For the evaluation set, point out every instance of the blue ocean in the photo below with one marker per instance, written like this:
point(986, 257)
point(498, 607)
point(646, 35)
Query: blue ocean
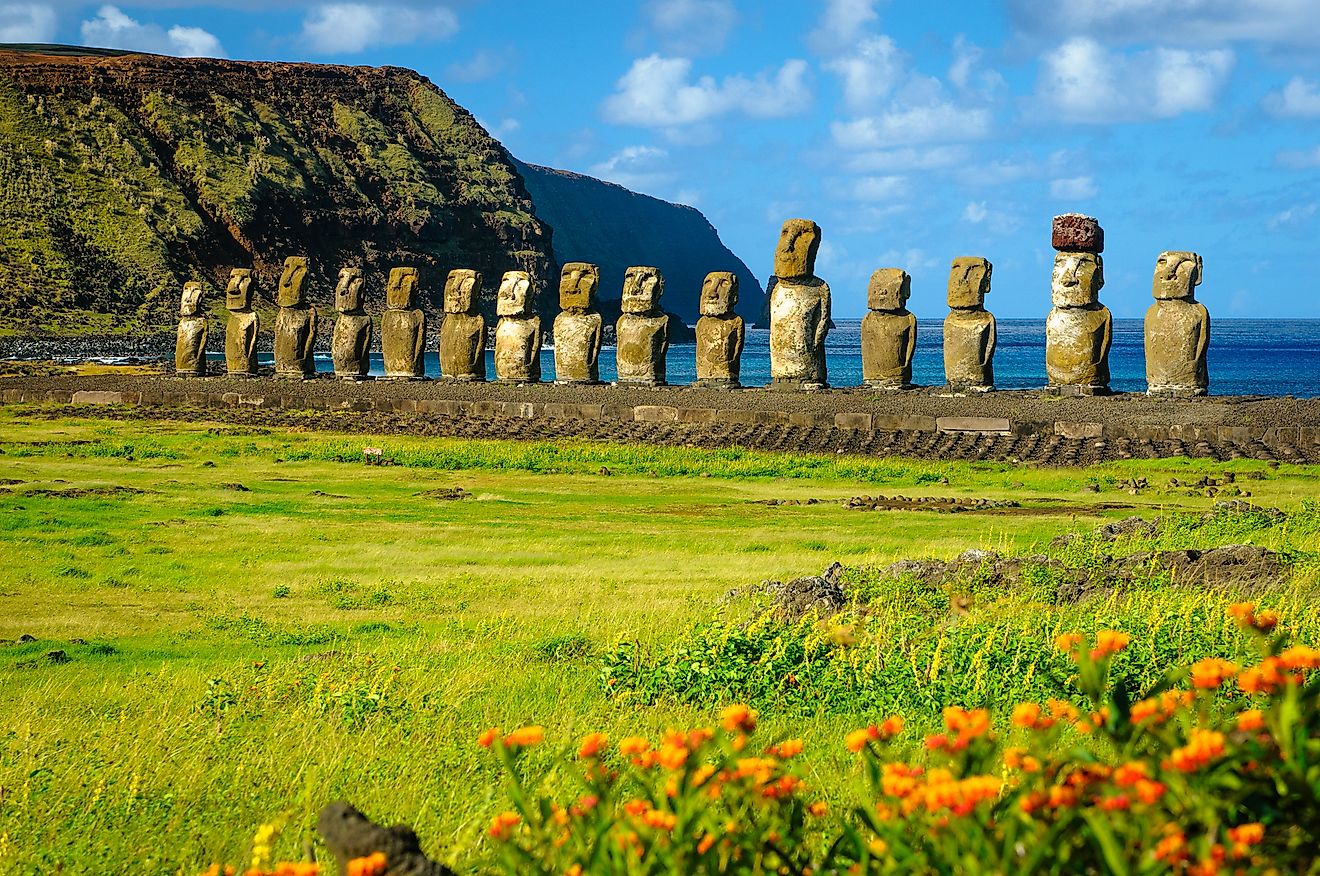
point(1247, 357)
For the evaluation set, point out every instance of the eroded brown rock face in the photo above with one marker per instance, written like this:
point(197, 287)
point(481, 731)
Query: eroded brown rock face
point(463, 333)
point(295, 324)
point(403, 327)
point(1177, 329)
point(969, 329)
point(799, 310)
point(1073, 232)
point(190, 347)
point(1079, 330)
point(518, 333)
point(889, 331)
point(350, 344)
point(720, 332)
point(578, 328)
point(242, 326)
point(642, 332)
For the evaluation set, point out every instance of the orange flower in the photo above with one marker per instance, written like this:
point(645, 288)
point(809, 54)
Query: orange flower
point(1251, 720)
point(1108, 643)
point(1129, 774)
point(1210, 673)
point(790, 748)
point(659, 820)
point(890, 727)
point(1149, 792)
point(1117, 803)
point(937, 742)
point(1266, 677)
point(1243, 611)
point(738, 718)
point(1300, 657)
point(818, 809)
point(592, 745)
point(1248, 616)
point(1173, 848)
point(503, 824)
point(1202, 747)
point(672, 757)
point(488, 737)
point(1247, 834)
point(525, 736)
point(584, 804)
point(374, 864)
point(1067, 642)
point(857, 739)
point(636, 808)
point(704, 846)
point(631, 745)
point(1030, 716)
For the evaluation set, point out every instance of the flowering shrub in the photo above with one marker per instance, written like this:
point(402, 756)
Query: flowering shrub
point(1216, 768)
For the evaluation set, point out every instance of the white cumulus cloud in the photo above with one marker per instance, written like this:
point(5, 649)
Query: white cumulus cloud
point(27, 23)
point(1173, 22)
point(1085, 82)
point(940, 122)
point(659, 92)
point(1073, 188)
point(869, 73)
point(975, 212)
point(635, 167)
point(692, 26)
point(1298, 159)
point(1299, 99)
point(349, 28)
point(841, 24)
point(112, 29)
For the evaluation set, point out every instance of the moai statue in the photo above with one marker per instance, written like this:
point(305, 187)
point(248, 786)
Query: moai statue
point(889, 331)
point(351, 343)
point(403, 328)
point(518, 333)
point(1177, 329)
point(578, 329)
point(642, 332)
point(463, 333)
point(295, 325)
point(720, 332)
point(969, 329)
point(1079, 330)
point(242, 325)
point(799, 310)
point(190, 346)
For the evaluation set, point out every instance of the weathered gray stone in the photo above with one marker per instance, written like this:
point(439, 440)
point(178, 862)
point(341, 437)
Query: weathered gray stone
point(1177, 329)
point(1073, 429)
point(403, 327)
point(190, 343)
point(578, 328)
point(96, 397)
point(350, 345)
point(1079, 330)
point(295, 324)
point(853, 422)
point(463, 333)
point(242, 326)
point(969, 329)
point(720, 332)
point(799, 310)
point(889, 331)
point(642, 332)
point(655, 414)
point(983, 425)
point(518, 333)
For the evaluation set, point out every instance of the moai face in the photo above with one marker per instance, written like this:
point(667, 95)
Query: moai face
point(642, 288)
point(1078, 278)
point(1177, 274)
point(514, 298)
point(796, 255)
point(719, 293)
point(401, 293)
point(578, 284)
point(461, 290)
point(190, 303)
point(969, 282)
point(889, 289)
point(291, 282)
point(348, 292)
point(238, 294)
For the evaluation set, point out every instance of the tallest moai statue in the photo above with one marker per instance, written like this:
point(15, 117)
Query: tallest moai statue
point(295, 324)
point(799, 310)
point(242, 326)
point(1079, 330)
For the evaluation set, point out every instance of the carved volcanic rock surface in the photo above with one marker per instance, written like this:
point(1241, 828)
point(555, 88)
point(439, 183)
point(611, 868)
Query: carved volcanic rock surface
point(123, 175)
point(608, 225)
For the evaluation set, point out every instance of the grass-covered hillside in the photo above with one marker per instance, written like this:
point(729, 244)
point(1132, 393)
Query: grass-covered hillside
point(122, 176)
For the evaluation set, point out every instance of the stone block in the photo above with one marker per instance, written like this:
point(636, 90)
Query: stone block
point(994, 425)
point(561, 411)
point(1150, 432)
point(808, 421)
point(735, 417)
point(10, 396)
point(855, 422)
point(361, 405)
point(1033, 427)
point(1074, 232)
point(1282, 435)
point(97, 397)
point(59, 396)
point(903, 423)
point(1076, 429)
point(440, 407)
point(399, 405)
point(655, 414)
point(696, 415)
point(1194, 432)
point(616, 411)
point(772, 418)
point(1307, 435)
point(1236, 434)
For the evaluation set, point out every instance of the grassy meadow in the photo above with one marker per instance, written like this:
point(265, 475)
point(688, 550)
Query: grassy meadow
point(234, 626)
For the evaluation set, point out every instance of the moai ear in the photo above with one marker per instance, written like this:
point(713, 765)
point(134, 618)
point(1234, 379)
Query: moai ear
point(1200, 267)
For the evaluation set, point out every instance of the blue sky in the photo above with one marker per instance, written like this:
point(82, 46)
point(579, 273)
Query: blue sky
point(913, 132)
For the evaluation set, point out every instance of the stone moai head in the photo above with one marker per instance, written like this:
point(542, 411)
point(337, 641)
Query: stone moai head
point(462, 289)
point(642, 288)
point(969, 282)
point(515, 298)
point(290, 293)
point(889, 289)
point(799, 240)
point(1177, 274)
point(1078, 279)
point(578, 284)
point(348, 291)
point(190, 302)
point(401, 292)
point(719, 293)
point(238, 294)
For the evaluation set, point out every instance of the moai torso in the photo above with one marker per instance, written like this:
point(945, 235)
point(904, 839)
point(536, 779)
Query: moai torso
point(463, 333)
point(1079, 330)
point(295, 325)
point(889, 331)
point(799, 310)
point(642, 332)
point(720, 332)
point(190, 345)
point(350, 345)
point(242, 326)
point(403, 327)
point(578, 328)
point(1177, 329)
point(969, 329)
point(518, 333)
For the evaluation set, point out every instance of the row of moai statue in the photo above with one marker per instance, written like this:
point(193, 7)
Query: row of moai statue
point(1078, 331)
point(642, 331)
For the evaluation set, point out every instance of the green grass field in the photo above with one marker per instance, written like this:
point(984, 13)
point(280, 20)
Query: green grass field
point(238, 656)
